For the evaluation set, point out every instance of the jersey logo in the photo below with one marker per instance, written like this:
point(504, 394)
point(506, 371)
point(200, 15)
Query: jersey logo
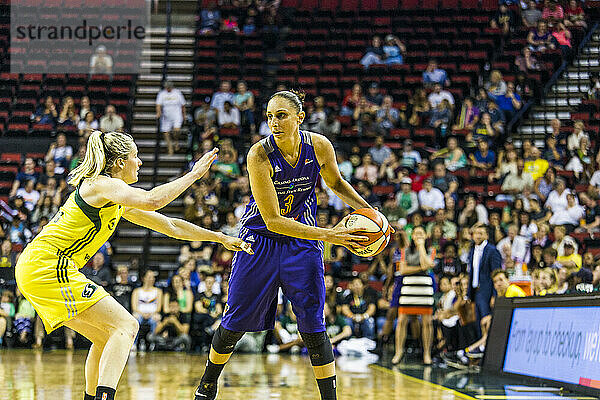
point(277, 169)
point(308, 161)
point(111, 224)
point(88, 290)
point(87, 257)
point(250, 238)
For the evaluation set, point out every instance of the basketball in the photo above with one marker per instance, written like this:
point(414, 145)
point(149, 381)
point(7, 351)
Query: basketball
point(373, 225)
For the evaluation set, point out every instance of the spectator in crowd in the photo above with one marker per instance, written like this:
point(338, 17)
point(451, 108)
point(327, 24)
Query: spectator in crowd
point(411, 261)
point(468, 116)
point(172, 332)
point(507, 164)
point(449, 229)
point(26, 174)
point(535, 165)
point(374, 54)
point(123, 287)
point(379, 151)
point(61, 153)
point(539, 39)
point(510, 102)
point(393, 49)
point(367, 171)
point(446, 317)
point(351, 100)
point(484, 158)
point(484, 258)
point(513, 247)
point(68, 114)
point(101, 62)
point(244, 102)
point(111, 121)
point(503, 19)
point(419, 107)
point(210, 19)
point(554, 153)
point(591, 221)
point(85, 107)
point(562, 38)
point(24, 319)
point(560, 238)
point(222, 95)
point(387, 116)
point(553, 13)
point(574, 139)
point(434, 75)
point(527, 62)
point(45, 113)
point(496, 85)
point(441, 116)
point(531, 15)
point(208, 308)
point(97, 273)
point(453, 156)
point(7, 312)
point(410, 157)
point(359, 310)
point(315, 114)
point(205, 123)
point(179, 293)
point(472, 213)
point(570, 259)
point(444, 181)
point(430, 198)
point(329, 127)
point(374, 96)
point(503, 286)
point(170, 109)
point(557, 199)
point(516, 183)
point(407, 198)
point(87, 124)
point(568, 216)
point(229, 116)
point(574, 15)
point(436, 97)
point(29, 195)
point(146, 302)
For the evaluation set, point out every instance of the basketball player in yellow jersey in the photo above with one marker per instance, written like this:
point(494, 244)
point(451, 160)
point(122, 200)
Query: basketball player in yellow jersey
point(47, 271)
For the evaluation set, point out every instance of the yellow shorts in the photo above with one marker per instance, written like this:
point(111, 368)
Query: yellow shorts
point(54, 285)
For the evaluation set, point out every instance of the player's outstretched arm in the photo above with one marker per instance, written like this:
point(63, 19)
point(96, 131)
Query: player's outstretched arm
point(331, 173)
point(263, 190)
point(117, 191)
point(180, 229)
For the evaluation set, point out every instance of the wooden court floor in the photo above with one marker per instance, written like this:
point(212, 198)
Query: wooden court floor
point(58, 375)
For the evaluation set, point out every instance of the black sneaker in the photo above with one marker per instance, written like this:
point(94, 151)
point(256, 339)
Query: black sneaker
point(206, 391)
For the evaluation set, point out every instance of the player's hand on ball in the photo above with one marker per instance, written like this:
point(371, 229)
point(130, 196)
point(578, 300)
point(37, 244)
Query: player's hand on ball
point(204, 163)
point(343, 236)
point(236, 244)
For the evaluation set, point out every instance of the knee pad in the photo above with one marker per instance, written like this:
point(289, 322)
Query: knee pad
point(319, 348)
point(224, 340)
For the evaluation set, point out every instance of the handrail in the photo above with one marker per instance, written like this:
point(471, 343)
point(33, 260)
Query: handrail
point(552, 80)
point(148, 239)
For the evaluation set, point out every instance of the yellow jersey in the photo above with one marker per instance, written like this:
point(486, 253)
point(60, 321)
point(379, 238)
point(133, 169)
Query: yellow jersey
point(78, 230)
point(514, 291)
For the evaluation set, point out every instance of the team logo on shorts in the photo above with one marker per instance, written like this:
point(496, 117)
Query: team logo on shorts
point(111, 224)
point(88, 290)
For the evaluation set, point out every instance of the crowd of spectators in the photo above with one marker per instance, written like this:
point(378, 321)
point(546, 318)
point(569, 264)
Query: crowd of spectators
point(535, 218)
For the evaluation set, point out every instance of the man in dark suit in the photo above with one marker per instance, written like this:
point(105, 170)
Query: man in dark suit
point(484, 258)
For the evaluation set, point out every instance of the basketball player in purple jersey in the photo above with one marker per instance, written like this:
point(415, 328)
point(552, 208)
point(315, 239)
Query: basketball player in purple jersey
point(280, 223)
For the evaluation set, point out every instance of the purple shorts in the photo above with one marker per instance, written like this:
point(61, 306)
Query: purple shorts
point(295, 265)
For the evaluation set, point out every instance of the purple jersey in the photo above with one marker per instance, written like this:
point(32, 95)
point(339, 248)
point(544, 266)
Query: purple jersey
point(294, 184)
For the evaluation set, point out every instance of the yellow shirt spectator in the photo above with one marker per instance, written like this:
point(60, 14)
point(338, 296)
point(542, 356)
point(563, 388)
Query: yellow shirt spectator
point(536, 168)
point(514, 291)
point(575, 258)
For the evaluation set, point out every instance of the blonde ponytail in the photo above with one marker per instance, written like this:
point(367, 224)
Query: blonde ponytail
point(103, 150)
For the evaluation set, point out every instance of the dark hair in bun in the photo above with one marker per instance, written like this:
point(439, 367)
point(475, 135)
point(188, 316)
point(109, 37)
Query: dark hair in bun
point(296, 97)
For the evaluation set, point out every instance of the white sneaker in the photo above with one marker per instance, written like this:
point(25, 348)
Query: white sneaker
point(273, 348)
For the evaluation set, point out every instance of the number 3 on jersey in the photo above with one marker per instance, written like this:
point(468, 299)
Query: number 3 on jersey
point(287, 204)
